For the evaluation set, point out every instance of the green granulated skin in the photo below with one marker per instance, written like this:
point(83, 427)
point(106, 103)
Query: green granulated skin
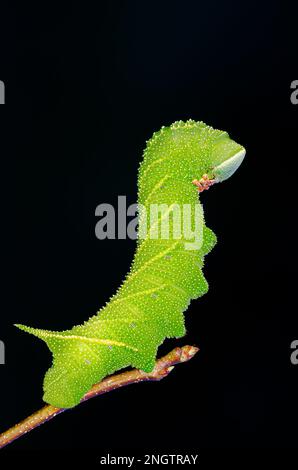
point(166, 274)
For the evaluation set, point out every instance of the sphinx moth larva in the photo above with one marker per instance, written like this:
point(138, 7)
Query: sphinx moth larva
point(166, 273)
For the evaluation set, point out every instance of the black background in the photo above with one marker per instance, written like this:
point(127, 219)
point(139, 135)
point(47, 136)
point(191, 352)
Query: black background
point(86, 85)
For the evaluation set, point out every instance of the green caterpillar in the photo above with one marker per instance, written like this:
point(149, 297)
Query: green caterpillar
point(166, 273)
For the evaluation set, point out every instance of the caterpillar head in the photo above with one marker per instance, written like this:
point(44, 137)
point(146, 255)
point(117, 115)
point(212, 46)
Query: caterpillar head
point(210, 153)
point(226, 157)
point(221, 157)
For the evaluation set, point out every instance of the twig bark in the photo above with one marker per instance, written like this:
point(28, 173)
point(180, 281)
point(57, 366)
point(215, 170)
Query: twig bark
point(162, 368)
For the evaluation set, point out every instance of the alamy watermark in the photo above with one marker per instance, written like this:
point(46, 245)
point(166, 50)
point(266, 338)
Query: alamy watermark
point(294, 355)
point(294, 94)
point(2, 92)
point(158, 222)
point(2, 353)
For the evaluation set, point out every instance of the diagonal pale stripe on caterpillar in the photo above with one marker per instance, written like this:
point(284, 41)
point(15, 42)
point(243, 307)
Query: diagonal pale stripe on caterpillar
point(56, 335)
point(156, 187)
point(153, 164)
point(164, 277)
point(137, 294)
point(157, 257)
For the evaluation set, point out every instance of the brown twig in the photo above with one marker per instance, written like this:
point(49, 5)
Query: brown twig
point(162, 368)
